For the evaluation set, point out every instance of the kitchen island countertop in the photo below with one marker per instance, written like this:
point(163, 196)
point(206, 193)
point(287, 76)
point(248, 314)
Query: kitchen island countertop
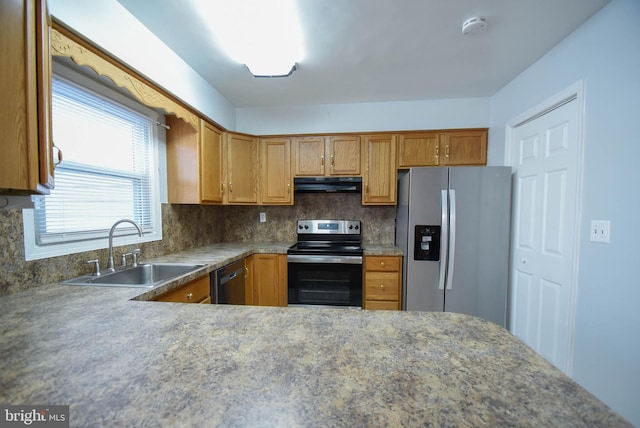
point(122, 362)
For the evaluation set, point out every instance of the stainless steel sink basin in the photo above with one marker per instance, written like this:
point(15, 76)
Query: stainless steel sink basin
point(143, 275)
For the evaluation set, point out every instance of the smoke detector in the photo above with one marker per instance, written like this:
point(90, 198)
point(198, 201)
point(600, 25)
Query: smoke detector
point(474, 25)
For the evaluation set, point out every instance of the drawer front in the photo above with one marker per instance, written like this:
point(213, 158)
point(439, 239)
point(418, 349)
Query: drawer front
point(382, 286)
point(382, 264)
point(384, 305)
point(193, 292)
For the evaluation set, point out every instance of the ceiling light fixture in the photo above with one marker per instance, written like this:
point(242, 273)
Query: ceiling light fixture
point(474, 25)
point(265, 35)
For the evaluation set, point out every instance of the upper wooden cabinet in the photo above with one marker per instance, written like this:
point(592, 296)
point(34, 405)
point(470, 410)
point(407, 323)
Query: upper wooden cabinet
point(379, 166)
point(419, 149)
point(241, 169)
point(276, 182)
point(324, 156)
point(345, 155)
point(463, 147)
point(211, 170)
point(26, 164)
point(468, 147)
point(194, 162)
point(205, 165)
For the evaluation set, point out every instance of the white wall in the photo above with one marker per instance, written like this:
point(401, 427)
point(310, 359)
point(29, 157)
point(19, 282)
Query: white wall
point(365, 117)
point(605, 52)
point(109, 25)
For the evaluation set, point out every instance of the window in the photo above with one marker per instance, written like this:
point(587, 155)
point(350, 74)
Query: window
point(108, 173)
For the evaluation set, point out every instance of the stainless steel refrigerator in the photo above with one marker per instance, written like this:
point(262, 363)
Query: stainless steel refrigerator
point(453, 225)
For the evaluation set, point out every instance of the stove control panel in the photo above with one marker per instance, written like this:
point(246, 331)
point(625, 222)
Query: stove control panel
point(332, 227)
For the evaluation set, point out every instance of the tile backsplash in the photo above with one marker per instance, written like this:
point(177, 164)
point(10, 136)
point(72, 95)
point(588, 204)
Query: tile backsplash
point(241, 223)
point(192, 226)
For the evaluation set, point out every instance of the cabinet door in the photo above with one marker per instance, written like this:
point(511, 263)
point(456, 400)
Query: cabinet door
point(419, 149)
point(45, 142)
point(308, 156)
point(249, 288)
point(270, 279)
point(344, 155)
point(379, 167)
point(196, 291)
point(25, 84)
point(211, 178)
point(182, 162)
point(465, 147)
point(275, 171)
point(242, 163)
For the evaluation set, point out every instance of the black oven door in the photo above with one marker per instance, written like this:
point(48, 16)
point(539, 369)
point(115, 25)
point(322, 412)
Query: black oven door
point(325, 280)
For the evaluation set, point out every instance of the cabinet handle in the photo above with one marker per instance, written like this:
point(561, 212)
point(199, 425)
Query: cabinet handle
point(288, 188)
point(382, 286)
point(246, 272)
point(230, 187)
point(437, 151)
point(189, 296)
point(332, 162)
point(447, 151)
point(366, 188)
point(322, 161)
point(222, 185)
point(53, 146)
point(382, 264)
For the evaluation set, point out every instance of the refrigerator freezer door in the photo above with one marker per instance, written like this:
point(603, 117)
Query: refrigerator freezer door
point(421, 291)
point(480, 275)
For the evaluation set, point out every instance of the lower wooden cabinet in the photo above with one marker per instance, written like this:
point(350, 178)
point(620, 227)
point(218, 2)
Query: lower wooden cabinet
point(248, 280)
point(382, 282)
point(196, 291)
point(267, 279)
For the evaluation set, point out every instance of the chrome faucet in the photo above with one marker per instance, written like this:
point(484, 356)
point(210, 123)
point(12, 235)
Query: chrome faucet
point(111, 265)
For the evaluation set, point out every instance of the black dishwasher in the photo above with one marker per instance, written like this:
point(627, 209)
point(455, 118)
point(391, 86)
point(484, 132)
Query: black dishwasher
point(227, 284)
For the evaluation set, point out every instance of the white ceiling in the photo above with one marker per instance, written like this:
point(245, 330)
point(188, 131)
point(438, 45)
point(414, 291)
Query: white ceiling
point(379, 50)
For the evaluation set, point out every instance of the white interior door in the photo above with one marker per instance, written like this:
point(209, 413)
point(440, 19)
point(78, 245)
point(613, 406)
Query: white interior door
point(545, 160)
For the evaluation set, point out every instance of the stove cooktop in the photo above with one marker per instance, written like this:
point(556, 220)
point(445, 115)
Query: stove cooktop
point(328, 237)
point(326, 249)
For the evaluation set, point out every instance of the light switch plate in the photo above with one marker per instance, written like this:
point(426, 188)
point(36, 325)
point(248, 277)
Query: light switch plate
point(263, 217)
point(600, 231)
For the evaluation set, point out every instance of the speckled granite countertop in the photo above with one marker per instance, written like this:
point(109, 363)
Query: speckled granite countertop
point(382, 250)
point(119, 362)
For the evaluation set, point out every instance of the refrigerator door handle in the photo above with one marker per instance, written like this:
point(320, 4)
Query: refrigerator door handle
point(452, 237)
point(444, 238)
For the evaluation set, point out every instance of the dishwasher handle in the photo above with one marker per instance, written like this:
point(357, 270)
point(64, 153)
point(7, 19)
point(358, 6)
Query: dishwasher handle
point(229, 277)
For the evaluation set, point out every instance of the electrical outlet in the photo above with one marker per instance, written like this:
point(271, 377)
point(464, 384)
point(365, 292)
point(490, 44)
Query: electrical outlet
point(600, 231)
point(263, 217)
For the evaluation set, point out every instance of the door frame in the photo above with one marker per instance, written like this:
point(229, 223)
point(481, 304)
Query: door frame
point(576, 93)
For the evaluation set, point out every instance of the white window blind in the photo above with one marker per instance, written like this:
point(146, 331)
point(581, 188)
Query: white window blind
point(107, 171)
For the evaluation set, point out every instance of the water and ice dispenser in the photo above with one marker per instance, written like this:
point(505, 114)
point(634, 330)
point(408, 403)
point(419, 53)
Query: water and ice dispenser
point(427, 243)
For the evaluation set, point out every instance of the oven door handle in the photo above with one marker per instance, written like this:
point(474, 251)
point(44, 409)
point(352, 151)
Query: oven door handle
point(301, 258)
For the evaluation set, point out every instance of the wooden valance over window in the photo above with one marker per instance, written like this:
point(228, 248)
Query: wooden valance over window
point(84, 54)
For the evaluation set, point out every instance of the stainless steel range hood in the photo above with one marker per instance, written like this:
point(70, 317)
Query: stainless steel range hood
point(327, 184)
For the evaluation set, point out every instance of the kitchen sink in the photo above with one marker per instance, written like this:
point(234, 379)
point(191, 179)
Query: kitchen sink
point(143, 275)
